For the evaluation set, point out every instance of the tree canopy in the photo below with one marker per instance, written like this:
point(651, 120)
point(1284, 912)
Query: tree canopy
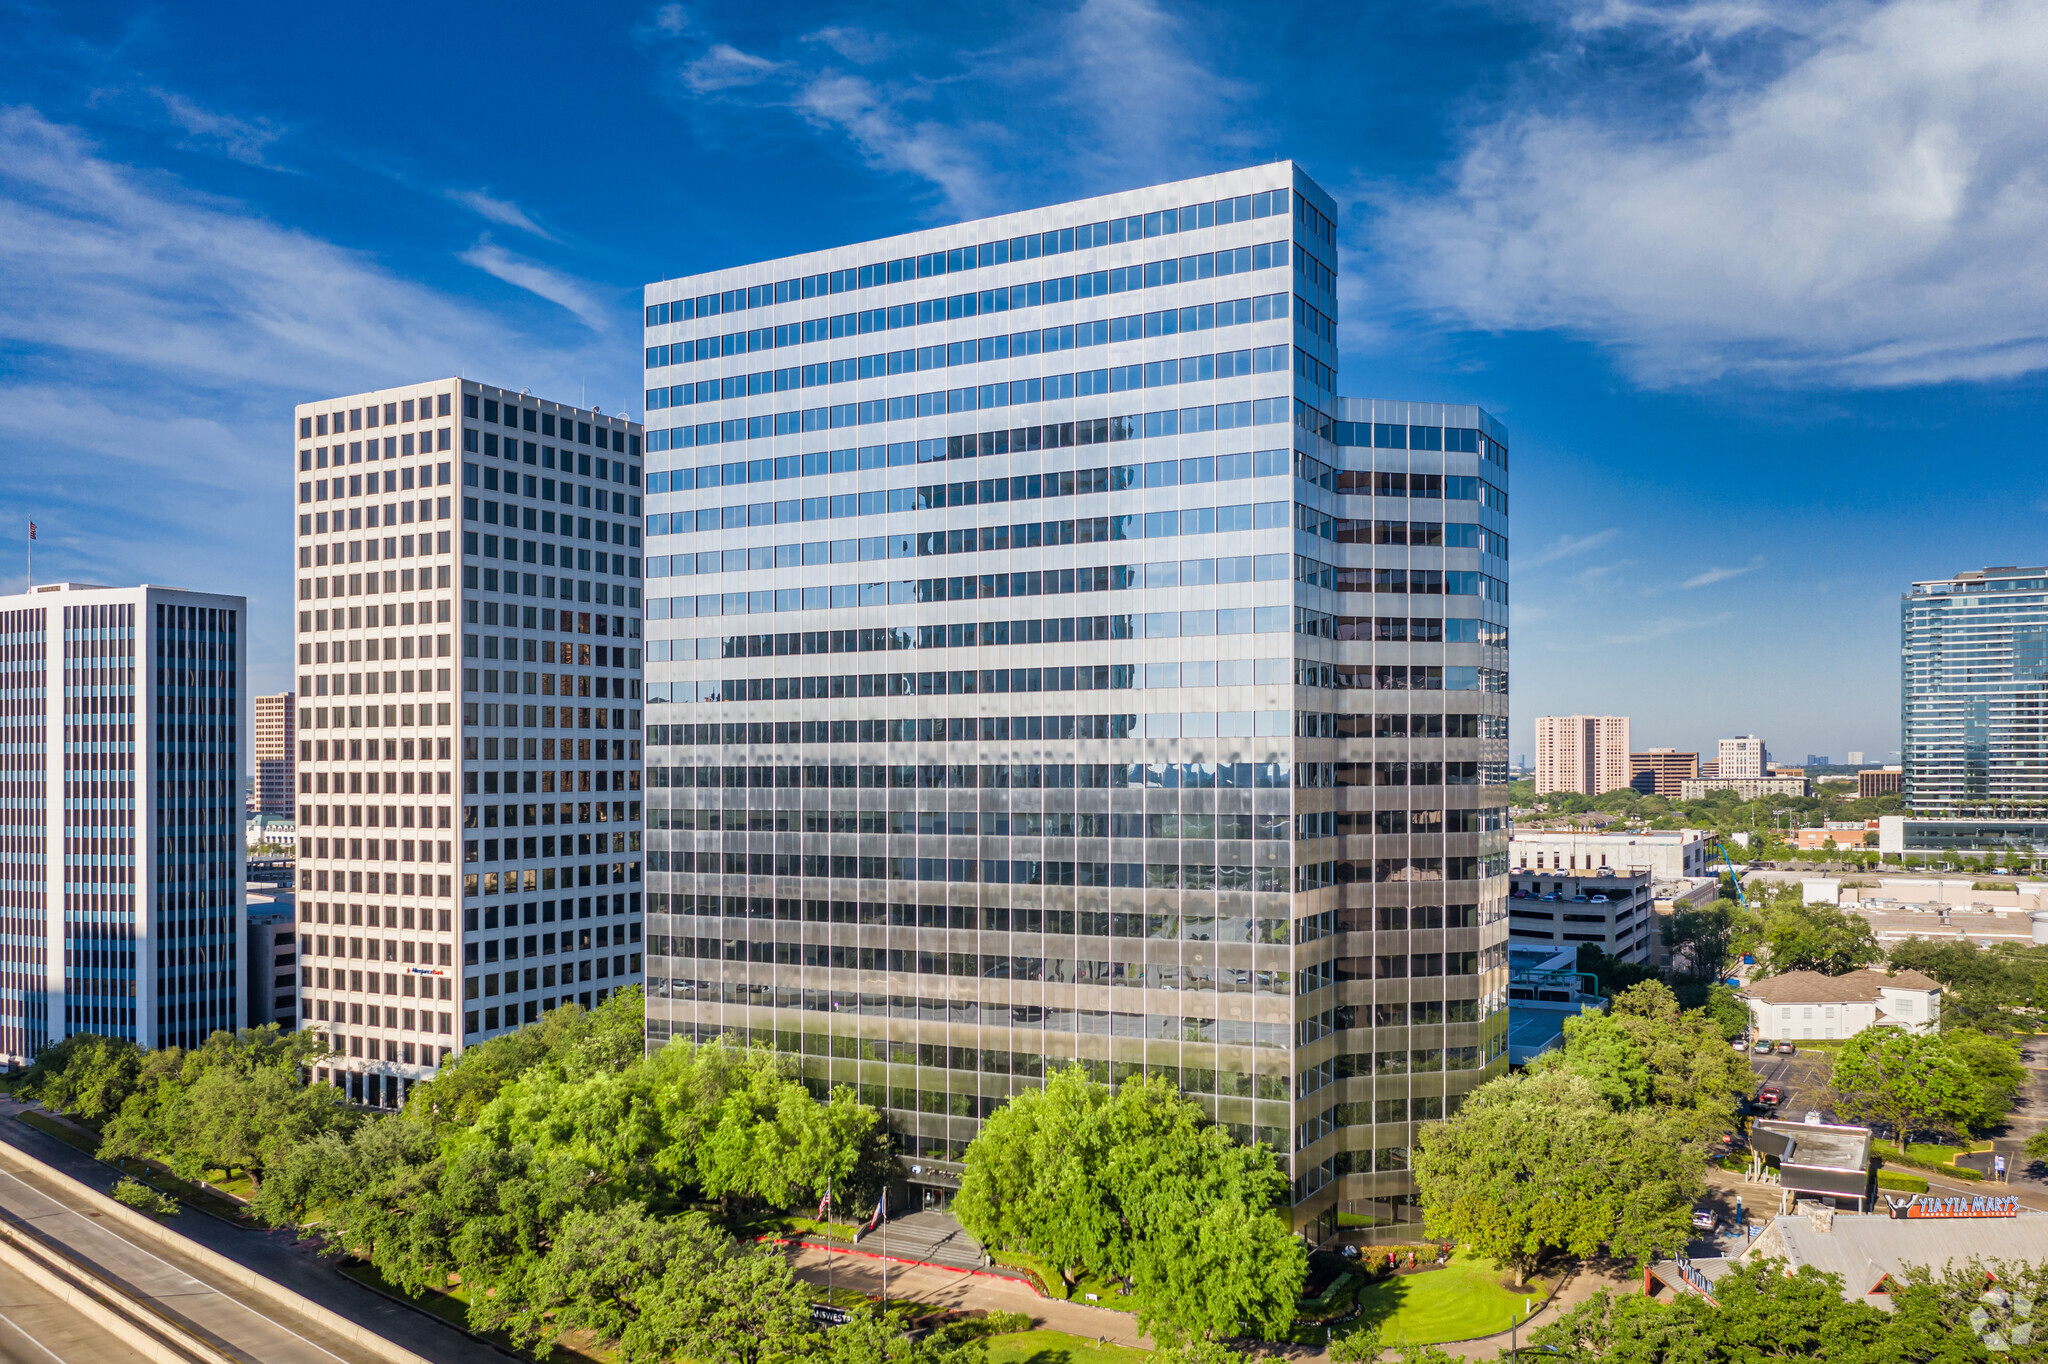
point(1954, 1081)
point(1135, 1182)
point(1540, 1163)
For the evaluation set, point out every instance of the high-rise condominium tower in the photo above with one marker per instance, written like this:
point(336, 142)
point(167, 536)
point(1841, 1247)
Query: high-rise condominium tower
point(1047, 666)
point(469, 719)
point(276, 719)
point(120, 835)
point(1583, 754)
point(1974, 693)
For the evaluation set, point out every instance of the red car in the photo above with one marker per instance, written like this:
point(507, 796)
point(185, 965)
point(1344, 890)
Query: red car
point(1770, 1096)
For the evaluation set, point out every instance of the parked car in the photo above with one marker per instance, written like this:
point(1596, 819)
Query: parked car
point(1761, 1047)
point(1706, 1220)
point(1598, 900)
point(1770, 1096)
point(1786, 1049)
point(1742, 1044)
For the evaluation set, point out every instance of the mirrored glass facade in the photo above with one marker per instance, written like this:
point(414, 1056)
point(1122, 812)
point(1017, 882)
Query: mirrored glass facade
point(1044, 665)
point(1974, 692)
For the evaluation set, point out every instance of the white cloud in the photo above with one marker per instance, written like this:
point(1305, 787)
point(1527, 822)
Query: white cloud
point(1722, 575)
point(1567, 545)
point(1663, 627)
point(498, 211)
point(238, 139)
point(158, 339)
point(1870, 210)
point(724, 66)
point(552, 285)
point(1118, 94)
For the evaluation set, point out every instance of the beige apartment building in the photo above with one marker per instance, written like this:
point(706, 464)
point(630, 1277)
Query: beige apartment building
point(275, 730)
point(1581, 754)
point(1744, 756)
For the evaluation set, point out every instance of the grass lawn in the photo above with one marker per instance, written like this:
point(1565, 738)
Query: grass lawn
point(62, 1131)
point(1057, 1347)
point(1463, 1299)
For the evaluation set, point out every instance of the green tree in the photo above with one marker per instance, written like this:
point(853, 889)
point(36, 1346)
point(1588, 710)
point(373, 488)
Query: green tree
point(86, 1075)
point(1647, 1051)
point(1906, 1080)
point(1137, 1183)
point(1537, 1164)
point(1802, 937)
point(1996, 1072)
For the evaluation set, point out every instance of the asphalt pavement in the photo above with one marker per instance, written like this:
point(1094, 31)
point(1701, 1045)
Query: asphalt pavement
point(1803, 1076)
point(232, 1317)
point(36, 1328)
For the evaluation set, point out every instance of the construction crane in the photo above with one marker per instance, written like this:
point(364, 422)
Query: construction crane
point(1729, 862)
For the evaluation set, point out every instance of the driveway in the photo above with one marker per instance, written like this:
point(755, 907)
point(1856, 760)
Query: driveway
point(1804, 1078)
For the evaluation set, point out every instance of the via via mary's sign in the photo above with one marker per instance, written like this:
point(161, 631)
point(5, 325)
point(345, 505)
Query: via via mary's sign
point(1925, 1206)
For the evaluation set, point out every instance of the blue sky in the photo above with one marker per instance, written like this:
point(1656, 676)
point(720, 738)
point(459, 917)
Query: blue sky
point(1759, 288)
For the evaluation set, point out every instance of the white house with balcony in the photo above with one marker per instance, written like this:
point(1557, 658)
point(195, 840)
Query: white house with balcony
point(1807, 1004)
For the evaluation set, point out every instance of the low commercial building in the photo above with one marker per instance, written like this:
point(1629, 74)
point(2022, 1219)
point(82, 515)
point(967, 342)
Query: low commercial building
point(276, 831)
point(1749, 788)
point(1665, 854)
point(1873, 1252)
point(1843, 834)
point(1880, 781)
point(1804, 1004)
point(1609, 911)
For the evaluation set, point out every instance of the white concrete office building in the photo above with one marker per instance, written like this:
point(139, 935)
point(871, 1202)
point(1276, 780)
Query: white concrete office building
point(469, 758)
point(122, 726)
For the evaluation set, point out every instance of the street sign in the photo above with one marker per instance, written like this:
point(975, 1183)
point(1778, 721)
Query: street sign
point(823, 1314)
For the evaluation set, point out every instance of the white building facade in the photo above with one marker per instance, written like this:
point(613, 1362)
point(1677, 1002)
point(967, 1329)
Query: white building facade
point(469, 753)
point(1806, 1004)
point(120, 849)
point(1667, 855)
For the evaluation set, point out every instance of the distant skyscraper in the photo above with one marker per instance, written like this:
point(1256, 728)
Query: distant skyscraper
point(121, 839)
point(1661, 771)
point(1582, 754)
point(275, 724)
point(1855, 757)
point(1047, 666)
point(1975, 693)
point(1743, 756)
point(469, 719)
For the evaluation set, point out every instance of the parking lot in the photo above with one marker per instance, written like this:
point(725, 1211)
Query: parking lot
point(1804, 1078)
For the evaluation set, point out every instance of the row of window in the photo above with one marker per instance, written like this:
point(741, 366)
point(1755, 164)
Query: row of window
point(1221, 212)
point(1190, 369)
point(517, 417)
point(934, 729)
point(1113, 776)
point(356, 418)
point(1121, 279)
point(1099, 430)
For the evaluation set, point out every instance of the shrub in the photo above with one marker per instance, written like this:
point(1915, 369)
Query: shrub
point(1887, 1179)
point(982, 1327)
point(140, 1196)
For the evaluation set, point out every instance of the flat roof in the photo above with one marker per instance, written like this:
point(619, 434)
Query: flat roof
point(1825, 1146)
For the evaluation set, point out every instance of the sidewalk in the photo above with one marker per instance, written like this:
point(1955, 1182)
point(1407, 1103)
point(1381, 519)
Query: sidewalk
point(957, 1289)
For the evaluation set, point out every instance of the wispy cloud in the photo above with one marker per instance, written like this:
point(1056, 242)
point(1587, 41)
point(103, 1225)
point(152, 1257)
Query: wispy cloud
point(539, 280)
point(1119, 94)
point(1838, 192)
point(239, 139)
point(502, 211)
point(1565, 546)
point(158, 339)
point(1664, 627)
point(1722, 575)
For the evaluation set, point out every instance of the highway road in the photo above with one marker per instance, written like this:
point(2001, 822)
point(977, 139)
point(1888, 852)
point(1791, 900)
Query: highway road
point(35, 1328)
point(234, 1319)
point(174, 1289)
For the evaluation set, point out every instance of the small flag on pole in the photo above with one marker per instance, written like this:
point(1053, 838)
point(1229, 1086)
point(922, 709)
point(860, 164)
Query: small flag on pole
point(825, 1203)
point(31, 530)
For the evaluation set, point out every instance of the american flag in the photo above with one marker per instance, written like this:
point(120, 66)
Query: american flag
point(825, 1203)
point(31, 530)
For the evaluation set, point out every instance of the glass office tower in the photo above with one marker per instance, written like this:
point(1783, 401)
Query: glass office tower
point(1974, 692)
point(1045, 666)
